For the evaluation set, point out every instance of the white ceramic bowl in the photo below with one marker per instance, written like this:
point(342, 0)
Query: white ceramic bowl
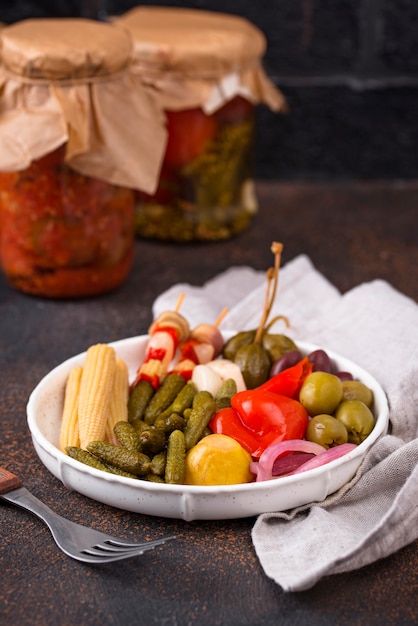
point(185, 501)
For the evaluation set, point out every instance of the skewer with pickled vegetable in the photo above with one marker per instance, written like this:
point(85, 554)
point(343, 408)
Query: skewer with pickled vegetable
point(167, 332)
point(204, 344)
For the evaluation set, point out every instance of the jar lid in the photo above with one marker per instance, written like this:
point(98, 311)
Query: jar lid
point(57, 49)
point(192, 41)
point(61, 82)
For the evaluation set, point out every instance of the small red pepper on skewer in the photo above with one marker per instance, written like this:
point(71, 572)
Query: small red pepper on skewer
point(167, 332)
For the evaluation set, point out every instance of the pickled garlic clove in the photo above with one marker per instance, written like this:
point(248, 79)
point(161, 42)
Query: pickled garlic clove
point(206, 379)
point(227, 369)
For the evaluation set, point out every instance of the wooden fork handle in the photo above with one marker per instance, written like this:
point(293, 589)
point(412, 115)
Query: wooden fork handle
point(8, 481)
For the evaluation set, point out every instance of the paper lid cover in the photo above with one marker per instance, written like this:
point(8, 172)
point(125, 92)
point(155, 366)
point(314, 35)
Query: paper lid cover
point(64, 48)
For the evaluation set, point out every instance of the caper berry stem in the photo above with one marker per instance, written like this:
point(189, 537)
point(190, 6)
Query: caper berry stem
point(276, 319)
point(271, 290)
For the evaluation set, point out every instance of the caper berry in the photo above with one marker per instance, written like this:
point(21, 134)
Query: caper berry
point(321, 392)
point(254, 363)
point(232, 345)
point(277, 345)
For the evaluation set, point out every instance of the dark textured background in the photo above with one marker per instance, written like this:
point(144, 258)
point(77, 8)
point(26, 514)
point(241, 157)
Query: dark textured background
point(348, 68)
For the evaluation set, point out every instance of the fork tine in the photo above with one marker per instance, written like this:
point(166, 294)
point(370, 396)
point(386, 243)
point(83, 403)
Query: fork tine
point(121, 543)
point(102, 557)
point(98, 556)
point(115, 547)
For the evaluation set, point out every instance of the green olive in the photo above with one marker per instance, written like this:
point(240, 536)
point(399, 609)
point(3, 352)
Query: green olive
point(356, 390)
point(357, 418)
point(321, 392)
point(254, 363)
point(232, 345)
point(326, 430)
point(277, 345)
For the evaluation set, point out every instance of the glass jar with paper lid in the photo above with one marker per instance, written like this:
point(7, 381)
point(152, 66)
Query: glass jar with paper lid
point(204, 70)
point(68, 165)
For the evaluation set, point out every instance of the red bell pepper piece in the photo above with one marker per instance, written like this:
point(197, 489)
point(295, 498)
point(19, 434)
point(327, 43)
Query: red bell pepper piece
point(227, 422)
point(289, 381)
point(257, 418)
point(270, 416)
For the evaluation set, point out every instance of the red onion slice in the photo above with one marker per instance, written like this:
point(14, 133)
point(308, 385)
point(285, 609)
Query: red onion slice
point(325, 457)
point(289, 462)
point(263, 469)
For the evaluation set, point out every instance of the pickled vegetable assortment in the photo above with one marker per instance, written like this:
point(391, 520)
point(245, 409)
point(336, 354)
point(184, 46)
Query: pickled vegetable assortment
point(182, 434)
point(204, 191)
point(273, 412)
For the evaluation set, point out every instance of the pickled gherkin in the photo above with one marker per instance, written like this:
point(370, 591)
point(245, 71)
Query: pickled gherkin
point(120, 472)
point(154, 478)
point(140, 426)
point(139, 398)
point(163, 397)
point(175, 469)
point(152, 440)
point(225, 393)
point(79, 454)
point(170, 423)
point(203, 409)
point(127, 435)
point(127, 460)
point(211, 197)
point(182, 401)
point(158, 463)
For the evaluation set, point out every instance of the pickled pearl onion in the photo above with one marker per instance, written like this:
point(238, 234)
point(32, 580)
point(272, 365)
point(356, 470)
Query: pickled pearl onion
point(264, 467)
point(325, 457)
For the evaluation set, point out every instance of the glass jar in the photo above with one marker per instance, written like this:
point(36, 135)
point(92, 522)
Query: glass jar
point(204, 71)
point(64, 234)
point(68, 166)
point(205, 189)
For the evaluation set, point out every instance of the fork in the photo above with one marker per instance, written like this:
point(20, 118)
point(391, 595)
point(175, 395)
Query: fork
point(77, 541)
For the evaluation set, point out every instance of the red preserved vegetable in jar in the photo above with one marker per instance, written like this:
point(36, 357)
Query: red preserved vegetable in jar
point(68, 166)
point(64, 234)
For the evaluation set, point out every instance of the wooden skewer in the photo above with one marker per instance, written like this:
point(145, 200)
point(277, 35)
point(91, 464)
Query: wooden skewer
point(179, 302)
point(221, 316)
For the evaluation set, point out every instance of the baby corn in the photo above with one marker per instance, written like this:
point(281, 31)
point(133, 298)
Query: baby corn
point(118, 407)
point(95, 392)
point(69, 433)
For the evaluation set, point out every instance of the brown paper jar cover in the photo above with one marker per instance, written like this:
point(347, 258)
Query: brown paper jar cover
point(199, 58)
point(204, 69)
point(68, 166)
point(69, 81)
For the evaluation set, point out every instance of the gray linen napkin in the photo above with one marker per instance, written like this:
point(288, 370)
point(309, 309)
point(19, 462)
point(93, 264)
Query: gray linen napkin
point(377, 327)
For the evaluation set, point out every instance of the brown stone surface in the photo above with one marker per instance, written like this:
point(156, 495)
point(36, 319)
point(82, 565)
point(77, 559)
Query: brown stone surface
point(210, 575)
